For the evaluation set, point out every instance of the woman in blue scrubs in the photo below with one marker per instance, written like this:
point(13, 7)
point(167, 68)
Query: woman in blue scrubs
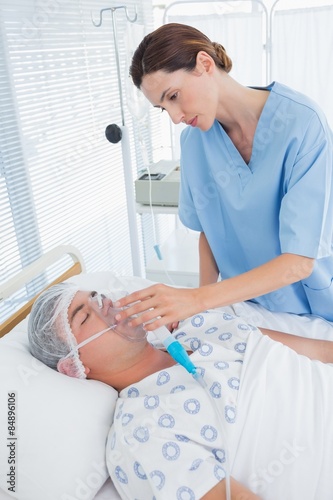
point(256, 182)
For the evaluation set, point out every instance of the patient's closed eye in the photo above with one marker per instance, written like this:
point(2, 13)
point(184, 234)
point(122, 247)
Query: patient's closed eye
point(85, 319)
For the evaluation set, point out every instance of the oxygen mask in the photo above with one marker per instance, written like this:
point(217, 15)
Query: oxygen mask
point(102, 304)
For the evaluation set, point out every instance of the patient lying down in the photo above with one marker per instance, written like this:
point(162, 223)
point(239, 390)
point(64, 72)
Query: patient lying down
point(266, 414)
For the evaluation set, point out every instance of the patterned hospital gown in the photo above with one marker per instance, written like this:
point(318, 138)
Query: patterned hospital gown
point(168, 440)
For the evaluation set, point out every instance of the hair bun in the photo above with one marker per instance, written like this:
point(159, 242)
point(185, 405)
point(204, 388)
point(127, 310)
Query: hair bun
point(226, 62)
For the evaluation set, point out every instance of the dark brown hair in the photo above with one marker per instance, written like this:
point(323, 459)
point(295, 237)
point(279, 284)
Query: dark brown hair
point(172, 47)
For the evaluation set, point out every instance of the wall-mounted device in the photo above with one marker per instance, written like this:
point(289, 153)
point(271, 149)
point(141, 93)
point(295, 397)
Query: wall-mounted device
point(163, 186)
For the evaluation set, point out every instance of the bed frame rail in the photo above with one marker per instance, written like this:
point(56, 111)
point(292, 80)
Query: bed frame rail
point(30, 272)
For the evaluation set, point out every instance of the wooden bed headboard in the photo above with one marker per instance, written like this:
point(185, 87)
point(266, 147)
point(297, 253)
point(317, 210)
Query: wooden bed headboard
point(30, 272)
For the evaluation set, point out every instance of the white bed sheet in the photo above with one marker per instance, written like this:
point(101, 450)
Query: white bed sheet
point(306, 326)
point(107, 492)
point(282, 446)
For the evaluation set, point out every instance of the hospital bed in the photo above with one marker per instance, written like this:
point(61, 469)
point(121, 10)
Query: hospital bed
point(53, 429)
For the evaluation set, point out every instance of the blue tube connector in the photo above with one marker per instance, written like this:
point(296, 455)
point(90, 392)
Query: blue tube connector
point(179, 354)
point(158, 252)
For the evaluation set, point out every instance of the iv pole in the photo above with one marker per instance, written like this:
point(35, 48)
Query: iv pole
point(114, 134)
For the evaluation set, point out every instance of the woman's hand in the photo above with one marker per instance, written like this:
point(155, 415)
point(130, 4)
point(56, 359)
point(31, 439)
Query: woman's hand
point(159, 305)
point(172, 326)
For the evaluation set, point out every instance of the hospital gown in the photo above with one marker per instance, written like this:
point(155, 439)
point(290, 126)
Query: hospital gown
point(280, 202)
point(266, 414)
point(168, 439)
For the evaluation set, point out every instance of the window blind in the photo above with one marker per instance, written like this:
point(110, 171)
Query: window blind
point(61, 181)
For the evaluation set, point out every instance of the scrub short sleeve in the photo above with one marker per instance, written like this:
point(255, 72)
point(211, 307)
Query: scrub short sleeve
point(306, 214)
point(187, 211)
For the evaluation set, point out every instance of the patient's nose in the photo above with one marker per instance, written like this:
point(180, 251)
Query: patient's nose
point(102, 302)
point(106, 304)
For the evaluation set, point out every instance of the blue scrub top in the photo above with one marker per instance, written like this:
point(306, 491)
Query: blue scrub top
point(280, 202)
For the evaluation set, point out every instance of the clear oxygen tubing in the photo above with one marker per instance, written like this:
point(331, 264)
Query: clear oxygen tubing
point(146, 163)
point(138, 107)
point(179, 354)
point(156, 245)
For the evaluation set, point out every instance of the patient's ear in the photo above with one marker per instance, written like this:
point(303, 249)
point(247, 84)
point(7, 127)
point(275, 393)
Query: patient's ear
point(72, 367)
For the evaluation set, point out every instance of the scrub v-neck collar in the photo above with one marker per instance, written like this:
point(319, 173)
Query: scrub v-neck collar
point(263, 122)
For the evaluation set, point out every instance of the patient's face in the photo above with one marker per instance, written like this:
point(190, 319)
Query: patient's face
point(86, 319)
point(82, 317)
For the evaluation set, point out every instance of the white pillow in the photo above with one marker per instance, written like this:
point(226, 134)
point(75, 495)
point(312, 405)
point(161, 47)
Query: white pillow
point(61, 424)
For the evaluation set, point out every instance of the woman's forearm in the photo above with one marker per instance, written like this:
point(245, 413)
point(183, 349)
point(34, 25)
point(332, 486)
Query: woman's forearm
point(237, 490)
point(275, 274)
